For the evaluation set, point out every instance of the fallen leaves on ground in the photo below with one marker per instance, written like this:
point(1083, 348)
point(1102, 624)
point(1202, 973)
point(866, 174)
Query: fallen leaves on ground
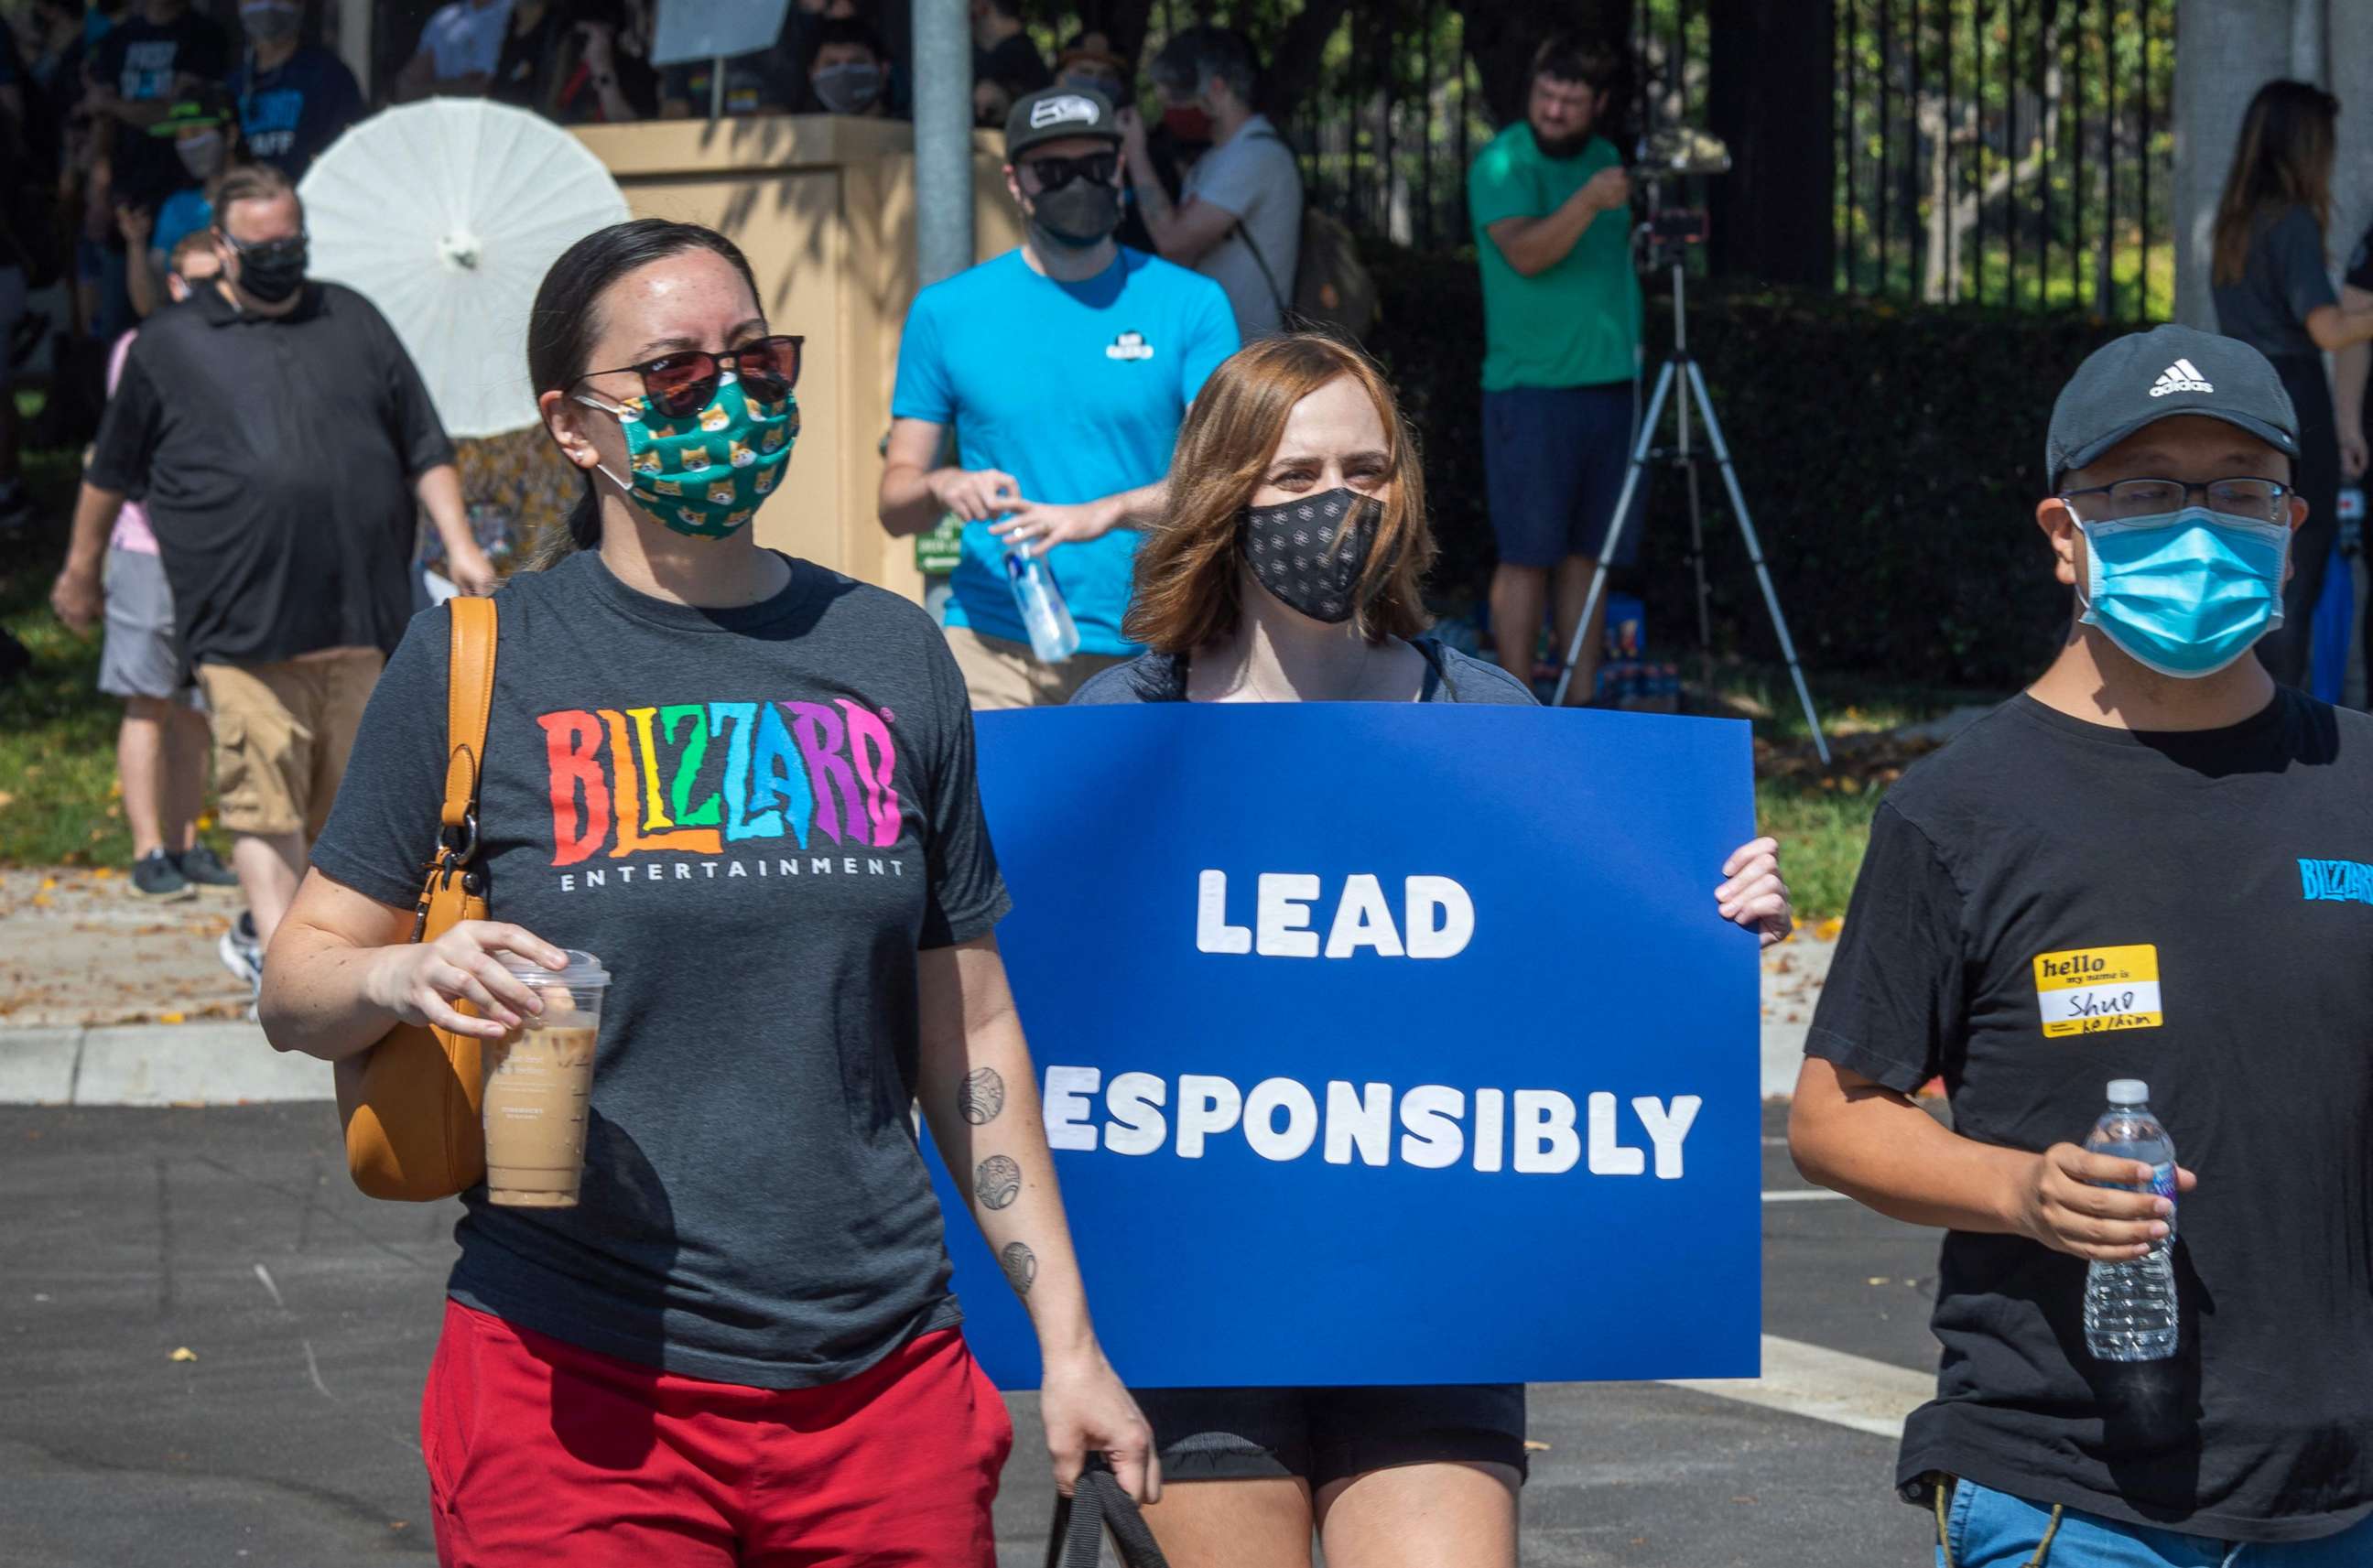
point(184, 1354)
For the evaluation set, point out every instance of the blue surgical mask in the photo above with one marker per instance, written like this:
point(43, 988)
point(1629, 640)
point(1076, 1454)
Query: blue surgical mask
point(2184, 594)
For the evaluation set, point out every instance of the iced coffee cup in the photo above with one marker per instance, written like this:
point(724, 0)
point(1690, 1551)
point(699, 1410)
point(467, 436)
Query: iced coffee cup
point(538, 1079)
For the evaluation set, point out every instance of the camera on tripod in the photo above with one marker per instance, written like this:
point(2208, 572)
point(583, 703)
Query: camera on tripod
point(1666, 159)
point(1673, 224)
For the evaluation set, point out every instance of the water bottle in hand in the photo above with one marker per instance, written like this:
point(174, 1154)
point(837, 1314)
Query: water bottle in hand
point(1053, 637)
point(2130, 1308)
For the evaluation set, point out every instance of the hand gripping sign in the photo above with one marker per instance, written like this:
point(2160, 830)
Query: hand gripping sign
point(1382, 1044)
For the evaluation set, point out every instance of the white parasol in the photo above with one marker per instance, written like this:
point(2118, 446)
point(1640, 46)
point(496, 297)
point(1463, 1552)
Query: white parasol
point(446, 215)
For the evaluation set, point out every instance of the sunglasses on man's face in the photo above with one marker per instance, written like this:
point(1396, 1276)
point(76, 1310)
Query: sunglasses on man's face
point(681, 384)
point(1053, 173)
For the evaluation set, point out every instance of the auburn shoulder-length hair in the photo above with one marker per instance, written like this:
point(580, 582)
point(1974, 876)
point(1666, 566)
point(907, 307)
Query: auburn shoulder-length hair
point(2282, 159)
point(1189, 576)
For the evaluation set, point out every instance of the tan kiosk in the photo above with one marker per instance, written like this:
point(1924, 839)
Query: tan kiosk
point(824, 207)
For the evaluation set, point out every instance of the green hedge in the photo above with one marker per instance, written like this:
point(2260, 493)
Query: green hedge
point(1892, 456)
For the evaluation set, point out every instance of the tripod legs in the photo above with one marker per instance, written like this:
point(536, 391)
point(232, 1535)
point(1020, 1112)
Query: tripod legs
point(1755, 554)
point(1697, 391)
point(1615, 530)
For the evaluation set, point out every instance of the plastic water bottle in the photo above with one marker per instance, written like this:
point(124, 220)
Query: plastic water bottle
point(2130, 1308)
point(1053, 636)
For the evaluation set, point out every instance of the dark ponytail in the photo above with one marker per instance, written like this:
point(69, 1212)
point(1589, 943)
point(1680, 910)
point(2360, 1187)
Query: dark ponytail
point(564, 323)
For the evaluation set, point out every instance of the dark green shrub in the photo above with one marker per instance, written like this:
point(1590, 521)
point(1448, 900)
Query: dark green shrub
point(1892, 456)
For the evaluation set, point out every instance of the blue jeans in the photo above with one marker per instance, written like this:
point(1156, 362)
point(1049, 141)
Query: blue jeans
point(1985, 1528)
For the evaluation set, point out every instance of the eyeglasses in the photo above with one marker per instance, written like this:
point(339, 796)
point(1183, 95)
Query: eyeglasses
point(2260, 500)
point(681, 384)
point(248, 247)
point(1053, 173)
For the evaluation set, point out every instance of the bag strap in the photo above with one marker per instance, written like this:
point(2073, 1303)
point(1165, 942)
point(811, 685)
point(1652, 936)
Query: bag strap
point(470, 692)
point(1098, 1504)
point(1284, 306)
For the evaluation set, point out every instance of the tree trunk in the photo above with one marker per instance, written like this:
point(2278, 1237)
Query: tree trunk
point(1502, 34)
point(1294, 69)
point(1122, 21)
point(1953, 216)
point(1772, 74)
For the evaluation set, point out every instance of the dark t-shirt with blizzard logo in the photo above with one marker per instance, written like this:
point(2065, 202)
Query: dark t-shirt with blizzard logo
point(2048, 904)
point(755, 818)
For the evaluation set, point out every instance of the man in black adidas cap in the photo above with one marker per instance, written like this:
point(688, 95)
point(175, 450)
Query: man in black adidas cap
point(2155, 864)
point(1064, 368)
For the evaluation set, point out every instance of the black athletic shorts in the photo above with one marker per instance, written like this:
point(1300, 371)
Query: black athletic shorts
point(1326, 1435)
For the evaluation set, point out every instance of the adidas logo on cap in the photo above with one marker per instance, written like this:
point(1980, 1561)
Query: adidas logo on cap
point(2182, 376)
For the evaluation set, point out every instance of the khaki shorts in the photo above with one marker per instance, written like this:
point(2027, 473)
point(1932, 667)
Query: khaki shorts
point(1007, 675)
point(282, 733)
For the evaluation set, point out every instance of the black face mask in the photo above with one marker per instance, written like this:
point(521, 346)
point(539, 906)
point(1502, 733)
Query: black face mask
point(1292, 551)
point(273, 270)
point(1080, 214)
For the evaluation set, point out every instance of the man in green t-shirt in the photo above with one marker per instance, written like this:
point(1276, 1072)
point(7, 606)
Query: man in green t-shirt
point(1552, 213)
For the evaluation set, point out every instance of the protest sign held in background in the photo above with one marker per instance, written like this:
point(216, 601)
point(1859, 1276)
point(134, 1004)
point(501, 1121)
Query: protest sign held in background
point(1384, 1044)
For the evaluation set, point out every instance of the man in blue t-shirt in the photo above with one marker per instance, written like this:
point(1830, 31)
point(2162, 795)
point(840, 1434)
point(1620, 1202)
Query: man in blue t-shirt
point(294, 97)
point(1065, 367)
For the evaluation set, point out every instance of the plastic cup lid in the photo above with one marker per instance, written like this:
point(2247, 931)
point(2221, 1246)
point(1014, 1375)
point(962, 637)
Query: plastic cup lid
point(2128, 1092)
point(582, 970)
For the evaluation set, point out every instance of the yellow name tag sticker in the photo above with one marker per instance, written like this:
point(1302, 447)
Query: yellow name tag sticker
point(2092, 991)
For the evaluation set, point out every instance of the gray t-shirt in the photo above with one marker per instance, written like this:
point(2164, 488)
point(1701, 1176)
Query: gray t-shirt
point(1252, 175)
point(754, 818)
point(1450, 676)
point(2285, 278)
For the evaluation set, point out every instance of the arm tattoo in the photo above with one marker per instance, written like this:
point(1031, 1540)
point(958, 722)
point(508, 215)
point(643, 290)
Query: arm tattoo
point(998, 1181)
point(1021, 1267)
point(982, 1096)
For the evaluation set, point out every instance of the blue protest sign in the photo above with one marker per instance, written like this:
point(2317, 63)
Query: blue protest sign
point(1382, 1044)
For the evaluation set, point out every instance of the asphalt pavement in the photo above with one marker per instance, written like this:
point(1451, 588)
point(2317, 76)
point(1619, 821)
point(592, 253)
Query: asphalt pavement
point(212, 1350)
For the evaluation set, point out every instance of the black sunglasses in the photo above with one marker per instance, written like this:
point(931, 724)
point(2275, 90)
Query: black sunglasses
point(681, 384)
point(249, 247)
point(1053, 173)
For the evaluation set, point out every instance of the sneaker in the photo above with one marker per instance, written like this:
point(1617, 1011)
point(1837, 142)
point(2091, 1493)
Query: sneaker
point(242, 952)
point(201, 865)
point(155, 876)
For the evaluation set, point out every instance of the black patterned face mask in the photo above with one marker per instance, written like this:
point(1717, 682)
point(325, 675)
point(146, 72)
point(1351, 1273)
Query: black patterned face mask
point(1293, 552)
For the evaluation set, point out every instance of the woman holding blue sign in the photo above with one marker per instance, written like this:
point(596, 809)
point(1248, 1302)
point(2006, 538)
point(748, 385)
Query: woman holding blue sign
point(1288, 568)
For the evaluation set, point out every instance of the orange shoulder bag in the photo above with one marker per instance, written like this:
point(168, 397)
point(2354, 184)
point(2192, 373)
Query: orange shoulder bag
point(409, 1103)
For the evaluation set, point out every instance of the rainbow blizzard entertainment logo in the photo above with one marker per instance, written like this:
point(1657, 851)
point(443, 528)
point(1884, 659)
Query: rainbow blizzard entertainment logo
point(695, 779)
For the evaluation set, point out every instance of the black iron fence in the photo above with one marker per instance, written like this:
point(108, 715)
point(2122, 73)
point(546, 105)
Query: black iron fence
point(2011, 152)
point(2015, 152)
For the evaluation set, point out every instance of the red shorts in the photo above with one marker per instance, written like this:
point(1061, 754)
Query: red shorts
point(540, 1452)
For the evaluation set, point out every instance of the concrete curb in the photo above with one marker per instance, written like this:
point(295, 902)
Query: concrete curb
point(218, 1064)
point(1783, 1053)
point(155, 1064)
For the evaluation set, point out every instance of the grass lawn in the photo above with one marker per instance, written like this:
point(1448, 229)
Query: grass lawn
point(1821, 817)
point(59, 804)
point(1821, 838)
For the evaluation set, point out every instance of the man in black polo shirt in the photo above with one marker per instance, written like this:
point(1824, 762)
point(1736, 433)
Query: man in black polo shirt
point(281, 437)
point(2155, 864)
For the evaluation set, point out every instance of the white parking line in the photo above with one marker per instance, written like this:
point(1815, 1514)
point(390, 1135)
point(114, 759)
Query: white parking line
point(1801, 1194)
point(1826, 1385)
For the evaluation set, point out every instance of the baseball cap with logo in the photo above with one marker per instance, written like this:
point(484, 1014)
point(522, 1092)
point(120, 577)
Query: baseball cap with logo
point(1050, 115)
point(2145, 377)
point(202, 105)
